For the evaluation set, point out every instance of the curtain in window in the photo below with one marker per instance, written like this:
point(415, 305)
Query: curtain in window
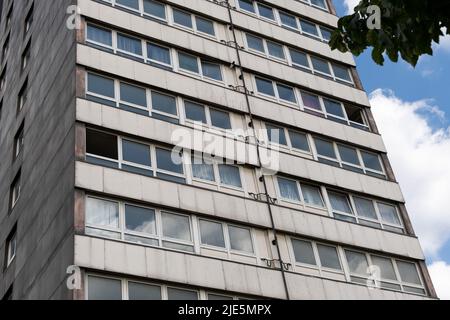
point(229, 175)
point(99, 35)
point(129, 44)
point(202, 170)
point(158, 53)
point(312, 195)
point(339, 202)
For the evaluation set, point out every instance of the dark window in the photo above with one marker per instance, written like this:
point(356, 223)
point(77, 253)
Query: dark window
point(101, 85)
point(255, 43)
point(134, 4)
point(299, 141)
point(288, 20)
point(159, 54)
point(188, 62)
point(299, 58)
point(104, 289)
point(247, 5)
point(266, 11)
point(211, 70)
point(101, 144)
point(182, 18)
point(309, 27)
point(99, 35)
point(136, 152)
point(142, 292)
point(265, 87)
point(129, 44)
point(204, 25)
point(164, 103)
point(169, 161)
point(195, 112)
point(155, 9)
point(276, 134)
point(133, 94)
point(220, 119)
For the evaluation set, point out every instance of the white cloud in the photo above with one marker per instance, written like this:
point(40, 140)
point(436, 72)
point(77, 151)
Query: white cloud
point(350, 5)
point(420, 157)
point(444, 42)
point(440, 273)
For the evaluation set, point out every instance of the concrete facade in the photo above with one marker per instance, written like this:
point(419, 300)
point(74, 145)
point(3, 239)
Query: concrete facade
point(75, 190)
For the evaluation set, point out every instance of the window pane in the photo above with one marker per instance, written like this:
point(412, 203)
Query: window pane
point(299, 58)
point(389, 214)
point(309, 28)
point(355, 114)
point(182, 18)
point(340, 202)
point(319, 3)
point(288, 20)
point(136, 153)
point(311, 101)
point(348, 155)
point(100, 85)
point(266, 11)
point(325, 148)
point(408, 272)
point(220, 119)
point(326, 33)
point(133, 94)
point(179, 294)
point(195, 112)
point(212, 233)
point(320, 65)
point(329, 257)
point(158, 53)
point(288, 189)
point(299, 141)
point(188, 62)
point(169, 161)
point(246, 5)
point(334, 108)
point(341, 73)
point(129, 44)
point(164, 103)
point(104, 289)
point(129, 3)
point(265, 87)
point(101, 144)
point(303, 252)
point(230, 175)
point(100, 35)
point(312, 195)
point(365, 208)
point(386, 267)
point(211, 70)
point(357, 262)
point(176, 226)
point(140, 291)
point(275, 50)
point(204, 25)
point(218, 297)
point(240, 239)
point(371, 161)
point(102, 213)
point(276, 134)
point(202, 170)
point(155, 8)
point(255, 43)
point(140, 219)
point(286, 93)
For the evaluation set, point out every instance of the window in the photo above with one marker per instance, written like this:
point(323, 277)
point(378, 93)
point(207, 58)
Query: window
point(321, 66)
point(19, 141)
point(169, 162)
point(309, 27)
point(389, 214)
point(139, 221)
point(181, 294)
point(101, 148)
point(286, 93)
point(341, 207)
point(299, 141)
point(15, 190)
point(342, 73)
point(177, 227)
point(159, 54)
point(317, 3)
point(247, 5)
point(230, 176)
point(132, 4)
point(204, 25)
point(195, 112)
point(164, 103)
point(188, 62)
point(288, 20)
point(100, 89)
point(99, 36)
point(356, 117)
point(133, 95)
point(212, 233)
point(255, 43)
point(303, 251)
point(240, 239)
point(102, 218)
point(328, 257)
point(299, 59)
point(334, 108)
point(136, 157)
point(266, 12)
point(289, 189)
point(182, 18)
point(142, 292)
point(276, 135)
point(357, 262)
point(203, 170)
point(155, 9)
point(211, 70)
point(325, 151)
point(207, 116)
point(371, 161)
point(129, 45)
point(220, 119)
point(11, 247)
point(104, 289)
point(265, 87)
point(311, 101)
point(312, 195)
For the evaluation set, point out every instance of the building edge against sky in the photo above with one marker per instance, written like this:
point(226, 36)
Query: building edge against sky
point(88, 114)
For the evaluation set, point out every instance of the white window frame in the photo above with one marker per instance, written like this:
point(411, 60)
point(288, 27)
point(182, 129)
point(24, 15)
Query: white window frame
point(275, 90)
point(289, 146)
point(200, 68)
point(208, 124)
point(302, 201)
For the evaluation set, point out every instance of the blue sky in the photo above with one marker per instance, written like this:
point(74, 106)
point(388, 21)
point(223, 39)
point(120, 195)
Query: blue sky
point(412, 109)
